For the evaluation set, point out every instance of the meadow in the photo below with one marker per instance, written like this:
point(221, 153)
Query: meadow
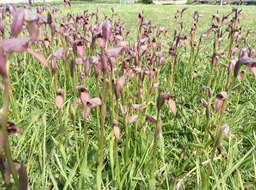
point(109, 96)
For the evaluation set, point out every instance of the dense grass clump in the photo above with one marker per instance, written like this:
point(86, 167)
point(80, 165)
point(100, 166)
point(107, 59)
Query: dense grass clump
point(121, 105)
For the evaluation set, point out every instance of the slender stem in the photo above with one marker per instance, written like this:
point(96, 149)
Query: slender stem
point(117, 165)
point(101, 136)
point(86, 141)
point(154, 159)
point(3, 131)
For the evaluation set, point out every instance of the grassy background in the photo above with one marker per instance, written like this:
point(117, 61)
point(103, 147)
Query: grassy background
point(162, 14)
point(52, 157)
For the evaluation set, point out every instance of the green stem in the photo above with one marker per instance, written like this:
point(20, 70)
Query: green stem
point(154, 159)
point(101, 136)
point(86, 142)
point(3, 131)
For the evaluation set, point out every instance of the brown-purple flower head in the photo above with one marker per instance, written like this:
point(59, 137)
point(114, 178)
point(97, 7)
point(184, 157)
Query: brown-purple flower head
point(219, 101)
point(245, 60)
point(106, 30)
point(170, 101)
point(59, 99)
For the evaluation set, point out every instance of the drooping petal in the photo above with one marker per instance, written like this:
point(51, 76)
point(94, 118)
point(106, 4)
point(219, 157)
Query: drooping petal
point(59, 99)
point(94, 102)
point(84, 94)
point(116, 131)
point(62, 29)
point(242, 75)
point(46, 42)
point(132, 119)
point(119, 86)
point(163, 96)
point(17, 22)
point(172, 105)
point(80, 49)
point(219, 101)
point(124, 45)
point(218, 104)
point(140, 107)
point(114, 52)
point(244, 60)
point(106, 30)
point(14, 45)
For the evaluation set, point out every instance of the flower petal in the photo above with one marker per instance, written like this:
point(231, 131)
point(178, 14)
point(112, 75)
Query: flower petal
point(172, 106)
point(106, 30)
point(17, 22)
point(114, 52)
point(117, 132)
point(14, 45)
point(59, 98)
point(132, 119)
point(219, 101)
point(94, 102)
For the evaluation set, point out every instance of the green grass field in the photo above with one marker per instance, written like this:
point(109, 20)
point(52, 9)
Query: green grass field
point(51, 143)
point(163, 14)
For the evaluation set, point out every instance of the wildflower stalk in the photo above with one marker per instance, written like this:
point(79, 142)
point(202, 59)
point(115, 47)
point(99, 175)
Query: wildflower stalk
point(154, 159)
point(229, 59)
point(127, 144)
point(101, 135)
point(123, 102)
point(172, 71)
point(195, 56)
point(86, 141)
point(117, 165)
point(3, 131)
